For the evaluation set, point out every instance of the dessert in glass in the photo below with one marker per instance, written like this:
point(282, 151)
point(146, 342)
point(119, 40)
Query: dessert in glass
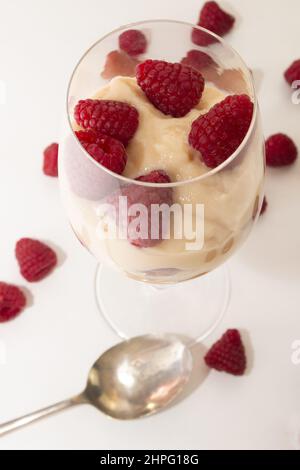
point(161, 169)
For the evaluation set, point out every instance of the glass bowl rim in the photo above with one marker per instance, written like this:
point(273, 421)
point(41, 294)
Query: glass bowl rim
point(173, 184)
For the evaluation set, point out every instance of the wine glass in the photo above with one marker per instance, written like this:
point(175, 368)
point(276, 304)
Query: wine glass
point(175, 281)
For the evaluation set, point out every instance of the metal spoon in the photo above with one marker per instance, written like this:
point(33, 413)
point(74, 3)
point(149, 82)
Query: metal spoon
point(133, 379)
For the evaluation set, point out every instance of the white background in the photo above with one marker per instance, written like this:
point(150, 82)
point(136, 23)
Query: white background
point(50, 347)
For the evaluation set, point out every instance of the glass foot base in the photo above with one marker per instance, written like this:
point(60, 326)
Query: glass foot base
point(191, 309)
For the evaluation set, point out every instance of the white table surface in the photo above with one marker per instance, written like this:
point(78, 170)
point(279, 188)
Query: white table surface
point(50, 347)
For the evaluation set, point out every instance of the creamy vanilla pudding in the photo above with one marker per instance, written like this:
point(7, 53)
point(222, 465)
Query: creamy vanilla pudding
point(231, 197)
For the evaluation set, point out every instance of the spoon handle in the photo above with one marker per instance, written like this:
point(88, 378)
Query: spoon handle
point(17, 423)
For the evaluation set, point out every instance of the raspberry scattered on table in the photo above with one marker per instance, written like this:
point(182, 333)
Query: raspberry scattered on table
point(293, 72)
point(50, 167)
point(12, 301)
point(228, 354)
point(133, 42)
point(280, 150)
point(216, 20)
point(36, 259)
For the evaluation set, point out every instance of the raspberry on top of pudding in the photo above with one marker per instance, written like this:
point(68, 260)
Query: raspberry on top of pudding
point(167, 118)
point(160, 141)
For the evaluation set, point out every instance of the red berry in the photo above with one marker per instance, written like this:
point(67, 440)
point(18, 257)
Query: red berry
point(174, 89)
point(147, 196)
point(86, 137)
point(133, 42)
point(86, 179)
point(50, 160)
point(228, 354)
point(113, 118)
point(155, 176)
point(220, 132)
point(12, 301)
point(264, 206)
point(197, 59)
point(293, 72)
point(36, 260)
point(216, 20)
point(119, 64)
point(280, 150)
point(105, 150)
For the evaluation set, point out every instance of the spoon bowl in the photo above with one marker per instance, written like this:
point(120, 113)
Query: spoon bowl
point(139, 377)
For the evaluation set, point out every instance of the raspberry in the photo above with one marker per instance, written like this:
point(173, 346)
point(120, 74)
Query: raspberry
point(119, 63)
point(155, 176)
point(264, 206)
point(86, 179)
point(113, 118)
point(228, 354)
point(220, 132)
point(174, 89)
point(12, 301)
point(35, 259)
point(86, 137)
point(280, 150)
point(293, 72)
point(133, 42)
point(105, 150)
point(197, 59)
point(147, 196)
point(50, 160)
point(216, 20)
